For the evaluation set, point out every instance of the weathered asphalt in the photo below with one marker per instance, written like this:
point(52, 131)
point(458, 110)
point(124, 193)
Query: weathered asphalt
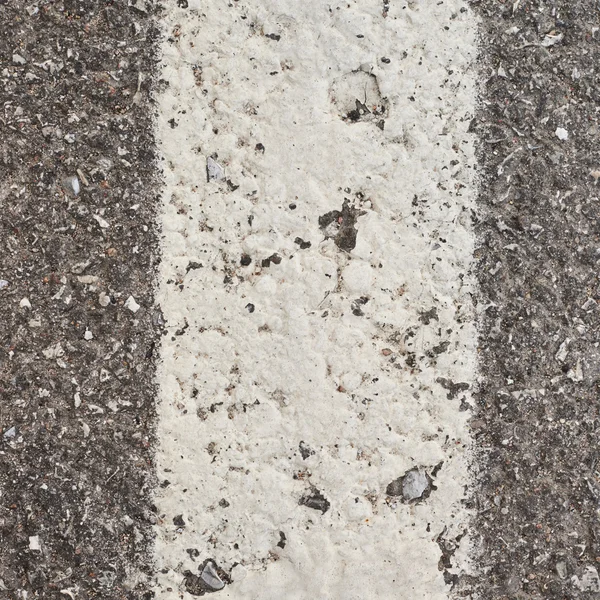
point(78, 478)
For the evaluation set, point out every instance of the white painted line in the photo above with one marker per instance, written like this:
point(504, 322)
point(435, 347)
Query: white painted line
point(294, 391)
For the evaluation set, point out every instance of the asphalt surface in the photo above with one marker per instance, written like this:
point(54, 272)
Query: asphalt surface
point(536, 425)
point(76, 451)
point(77, 420)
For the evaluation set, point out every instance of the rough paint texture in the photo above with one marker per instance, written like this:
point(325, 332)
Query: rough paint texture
point(75, 419)
point(537, 424)
point(316, 251)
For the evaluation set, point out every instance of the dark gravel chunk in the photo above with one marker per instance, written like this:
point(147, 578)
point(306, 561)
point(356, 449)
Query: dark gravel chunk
point(178, 521)
point(303, 245)
point(305, 450)
point(341, 226)
point(211, 578)
point(315, 500)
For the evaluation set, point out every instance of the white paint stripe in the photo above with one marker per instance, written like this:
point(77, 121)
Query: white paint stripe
point(239, 389)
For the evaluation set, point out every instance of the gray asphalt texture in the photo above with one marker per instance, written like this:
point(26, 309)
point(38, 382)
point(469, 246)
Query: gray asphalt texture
point(81, 478)
point(88, 498)
point(538, 225)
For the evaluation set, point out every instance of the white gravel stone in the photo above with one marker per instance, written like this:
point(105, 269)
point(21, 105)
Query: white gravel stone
point(34, 542)
point(589, 582)
point(132, 305)
point(214, 169)
point(211, 578)
point(104, 299)
point(55, 351)
point(71, 185)
point(102, 222)
point(414, 485)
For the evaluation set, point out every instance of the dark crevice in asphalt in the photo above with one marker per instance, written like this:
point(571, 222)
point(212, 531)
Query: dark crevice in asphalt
point(538, 227)
point(78, 194)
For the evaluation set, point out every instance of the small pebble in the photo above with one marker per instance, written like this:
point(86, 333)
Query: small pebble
point(10, 433)
point(414, 485)
point(214, 170)
point(211, 577)
point(104, 224)
point(71, 185)
point(132, 305)
point(178, 521)
point(104, 299)
point(34, 542)
point(55, 351)
point(411, 486)
point(87, 279)
point(561, 569)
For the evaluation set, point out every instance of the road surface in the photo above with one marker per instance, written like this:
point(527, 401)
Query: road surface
point(299, 301)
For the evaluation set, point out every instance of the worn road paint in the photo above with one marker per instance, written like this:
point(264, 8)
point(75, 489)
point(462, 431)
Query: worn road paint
point(298, 381)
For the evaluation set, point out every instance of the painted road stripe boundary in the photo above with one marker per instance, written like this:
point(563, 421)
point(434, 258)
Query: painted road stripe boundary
point(315, 284)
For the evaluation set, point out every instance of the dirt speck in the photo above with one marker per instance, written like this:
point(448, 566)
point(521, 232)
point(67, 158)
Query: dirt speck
point(341, 226)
